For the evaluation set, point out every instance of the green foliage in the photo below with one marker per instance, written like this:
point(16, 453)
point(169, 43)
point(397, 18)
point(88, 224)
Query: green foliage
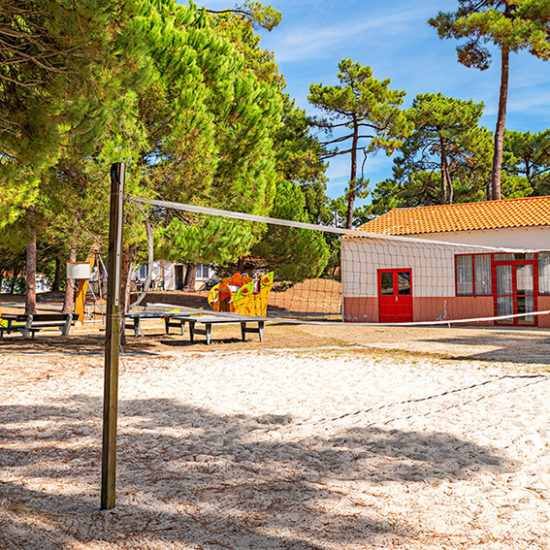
point(197, 127)
point(297, 157)
point(50, 53)
point(529, 158)
point(368, 114)
point(524, 154)
point(294, 254)
point(255, 13)
point(443, 141)
point(512, 24)
point(197, 111)
point(299, 160)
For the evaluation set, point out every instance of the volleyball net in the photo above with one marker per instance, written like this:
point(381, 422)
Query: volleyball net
point(237, 264)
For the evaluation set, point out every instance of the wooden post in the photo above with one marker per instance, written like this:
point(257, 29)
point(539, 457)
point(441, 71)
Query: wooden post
point(112, 339)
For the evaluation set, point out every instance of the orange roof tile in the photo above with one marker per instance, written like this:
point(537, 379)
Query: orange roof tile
point(471, 216)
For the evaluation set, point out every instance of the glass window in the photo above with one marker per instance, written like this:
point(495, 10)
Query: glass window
point(504, 280)
point(524, 279)
point(544, 272)
point(526, 304)
point(464, 281)
point(386, 284)
point(505, 306)
point(404, 283)
point(482, 265)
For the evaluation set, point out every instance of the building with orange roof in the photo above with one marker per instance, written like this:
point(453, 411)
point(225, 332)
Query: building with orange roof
point(460, 261)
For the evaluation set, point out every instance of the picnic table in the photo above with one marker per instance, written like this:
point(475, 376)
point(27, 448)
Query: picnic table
point(209, 320)
point(171, 319)
point(31, 323)
point(178, 320)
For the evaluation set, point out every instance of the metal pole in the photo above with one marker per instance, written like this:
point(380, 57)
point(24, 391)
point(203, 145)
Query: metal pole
point(112, 339)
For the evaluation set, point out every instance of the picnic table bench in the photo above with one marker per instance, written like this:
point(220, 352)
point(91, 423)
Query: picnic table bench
point(32, 323)
point(178, 320)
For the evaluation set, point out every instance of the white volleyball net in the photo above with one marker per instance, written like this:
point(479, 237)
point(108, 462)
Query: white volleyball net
point(237, 264)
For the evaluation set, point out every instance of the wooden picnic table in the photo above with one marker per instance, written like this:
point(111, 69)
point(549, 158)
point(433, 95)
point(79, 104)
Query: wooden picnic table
point(178, 320)
point(209, 320)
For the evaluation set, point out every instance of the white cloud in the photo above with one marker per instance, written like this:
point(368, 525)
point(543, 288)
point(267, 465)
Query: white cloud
point(302, 42)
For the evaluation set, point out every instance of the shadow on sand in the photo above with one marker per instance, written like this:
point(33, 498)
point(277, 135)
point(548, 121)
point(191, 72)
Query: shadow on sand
point(190, 478)
point(513, 344)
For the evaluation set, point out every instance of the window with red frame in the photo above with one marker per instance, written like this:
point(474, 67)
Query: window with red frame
point(473, 274)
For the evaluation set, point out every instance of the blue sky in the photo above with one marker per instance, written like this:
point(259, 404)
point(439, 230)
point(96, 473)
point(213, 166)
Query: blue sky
point(393, 38)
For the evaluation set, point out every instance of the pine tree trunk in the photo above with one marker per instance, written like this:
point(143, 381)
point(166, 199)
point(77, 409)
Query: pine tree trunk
point(161, 275)
point(128, 257)
point(30, 272)
point(68, 300)
point(353, 175)
point(190, 277)
point(501, 123)
point(528, 175)
point(443, 167)
point(450, 184)
point(57, 276)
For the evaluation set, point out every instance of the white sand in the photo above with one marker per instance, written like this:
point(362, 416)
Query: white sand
point(246, 451)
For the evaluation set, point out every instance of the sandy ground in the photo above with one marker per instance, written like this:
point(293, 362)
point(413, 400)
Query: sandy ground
point(262, 448)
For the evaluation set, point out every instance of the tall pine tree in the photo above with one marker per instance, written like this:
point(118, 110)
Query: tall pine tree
point(511, 26)
point(366, 115)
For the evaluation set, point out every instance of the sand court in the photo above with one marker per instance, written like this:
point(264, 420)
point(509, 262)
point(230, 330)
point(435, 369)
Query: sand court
point(331, 449)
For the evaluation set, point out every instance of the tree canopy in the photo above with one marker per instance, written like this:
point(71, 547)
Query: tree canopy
point(511, 26)
point(369, 115)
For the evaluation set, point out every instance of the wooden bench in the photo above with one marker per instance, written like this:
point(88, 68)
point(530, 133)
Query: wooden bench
point(32, 323)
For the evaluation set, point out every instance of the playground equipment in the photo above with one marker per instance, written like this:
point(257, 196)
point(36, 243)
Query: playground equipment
point(81, 272)
point(242, 294)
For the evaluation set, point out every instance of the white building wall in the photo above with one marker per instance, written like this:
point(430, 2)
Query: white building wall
point(432, 265)
point(531, 238)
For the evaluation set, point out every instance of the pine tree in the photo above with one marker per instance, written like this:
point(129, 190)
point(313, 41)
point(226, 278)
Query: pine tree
point(438, 143)
point(511, 25)
point(368, 114)
point(529, 158)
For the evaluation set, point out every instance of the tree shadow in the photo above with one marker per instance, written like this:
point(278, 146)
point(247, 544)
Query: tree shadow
point(72, 345)
point(193, 478)
point(514, 345)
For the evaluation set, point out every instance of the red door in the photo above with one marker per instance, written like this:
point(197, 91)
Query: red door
point(395, 295)
point(516, 286)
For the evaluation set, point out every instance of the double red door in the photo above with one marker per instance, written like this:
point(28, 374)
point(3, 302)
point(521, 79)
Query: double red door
point(395, 295)
point(516, 289)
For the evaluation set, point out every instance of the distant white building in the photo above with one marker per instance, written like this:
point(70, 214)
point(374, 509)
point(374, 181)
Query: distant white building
point(393, 281)
point(171, 276)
